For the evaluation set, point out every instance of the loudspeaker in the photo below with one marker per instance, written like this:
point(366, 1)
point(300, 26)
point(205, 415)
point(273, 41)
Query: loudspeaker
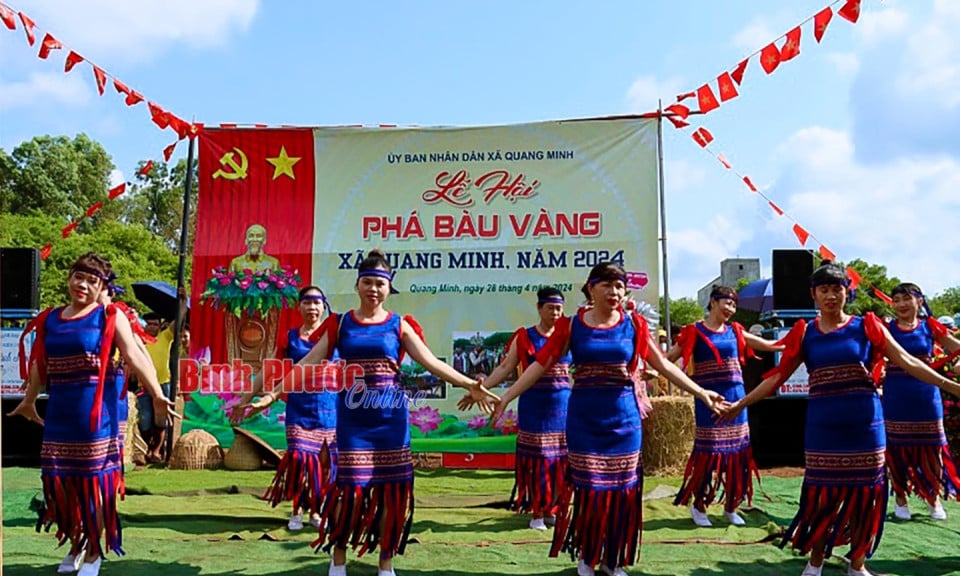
point(20, 278)
point(791, 279)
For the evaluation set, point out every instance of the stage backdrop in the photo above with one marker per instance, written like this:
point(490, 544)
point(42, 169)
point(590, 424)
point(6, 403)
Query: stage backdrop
point(474, 220)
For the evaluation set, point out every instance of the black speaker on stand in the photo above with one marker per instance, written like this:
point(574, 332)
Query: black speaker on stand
point(19, 279)
point(791, 279)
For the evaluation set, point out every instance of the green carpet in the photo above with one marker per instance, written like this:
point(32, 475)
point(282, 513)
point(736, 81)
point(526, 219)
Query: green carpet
point(212, 523)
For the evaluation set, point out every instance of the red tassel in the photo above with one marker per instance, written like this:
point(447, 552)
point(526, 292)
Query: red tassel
point(106, 353)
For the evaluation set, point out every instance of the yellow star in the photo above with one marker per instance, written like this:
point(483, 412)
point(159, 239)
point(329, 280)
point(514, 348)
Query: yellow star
point(283, 164)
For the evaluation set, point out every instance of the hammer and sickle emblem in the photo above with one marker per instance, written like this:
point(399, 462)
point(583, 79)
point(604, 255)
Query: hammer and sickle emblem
point(237, 171)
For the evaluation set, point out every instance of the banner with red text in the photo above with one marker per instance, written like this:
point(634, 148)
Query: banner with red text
point(473, 220)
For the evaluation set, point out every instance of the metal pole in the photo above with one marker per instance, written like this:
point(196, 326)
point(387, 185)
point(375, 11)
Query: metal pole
point(663, 232)
point(181, 284)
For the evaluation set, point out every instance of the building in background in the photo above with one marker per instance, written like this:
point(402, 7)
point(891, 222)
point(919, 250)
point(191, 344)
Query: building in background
point(732, 270)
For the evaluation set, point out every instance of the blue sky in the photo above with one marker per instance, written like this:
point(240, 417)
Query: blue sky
point(855, 138)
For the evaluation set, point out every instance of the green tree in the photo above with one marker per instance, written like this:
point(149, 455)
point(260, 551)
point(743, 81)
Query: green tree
point(55, 176)
point(682, 311)
point(872, 275)
point(136, 254)
point(947, 303)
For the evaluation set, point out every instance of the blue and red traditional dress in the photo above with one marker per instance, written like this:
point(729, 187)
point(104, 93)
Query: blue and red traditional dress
point(844, 494)
point(918, 458)
point(605, 470)
point(371, 502)
point(722, 457)
point(541, 459)
point(310, 463)
point(80, 464)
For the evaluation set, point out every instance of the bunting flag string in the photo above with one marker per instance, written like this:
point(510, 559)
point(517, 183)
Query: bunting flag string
point(771, 57)
point(158, 115)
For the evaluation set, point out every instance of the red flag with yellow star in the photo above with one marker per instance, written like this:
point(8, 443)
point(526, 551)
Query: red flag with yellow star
point(728, 90)
point(257, 199)
point(791, 48)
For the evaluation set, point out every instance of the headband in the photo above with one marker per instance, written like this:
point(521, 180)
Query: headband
point(720, 295)
point(830, 281)
point(92, 272)
point(379, 273)
point(551, 300)
point(610, 278)
point(917, 294)
point(310, 297)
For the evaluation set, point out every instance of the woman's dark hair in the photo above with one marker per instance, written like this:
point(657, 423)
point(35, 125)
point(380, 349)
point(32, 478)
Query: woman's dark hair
point(375, 259)
point(603, 272)
point(547, 293)
point(911, 289)
point(718, 292)
point(93, 263)
point(829, 273)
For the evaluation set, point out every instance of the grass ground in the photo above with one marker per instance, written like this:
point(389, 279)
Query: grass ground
point(185, 523)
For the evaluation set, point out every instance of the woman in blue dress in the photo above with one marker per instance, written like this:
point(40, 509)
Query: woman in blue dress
point(844, 494)
point(309, 464)
point(605, 471)
point(72, 355)
point(371, 502)
point(918, 458)
point(722, 458)
point(541, 460)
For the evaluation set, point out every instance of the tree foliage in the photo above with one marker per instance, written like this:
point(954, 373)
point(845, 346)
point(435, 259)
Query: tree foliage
point(683, 311)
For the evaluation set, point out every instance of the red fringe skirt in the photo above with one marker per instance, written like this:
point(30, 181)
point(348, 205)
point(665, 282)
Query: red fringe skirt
point(539, 484)
point(729, 474)
point(364, 517)
point(306, 471)
point(83, 507)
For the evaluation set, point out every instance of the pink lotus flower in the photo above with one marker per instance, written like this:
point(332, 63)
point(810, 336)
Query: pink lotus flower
point(232, 275)
point(262, 285)
point(508, 423)
point(281, 284)
point(426, 419)
point(223, 280)
point(245, 283)
point(476, 422)
point(248, 272)
point(273, 278)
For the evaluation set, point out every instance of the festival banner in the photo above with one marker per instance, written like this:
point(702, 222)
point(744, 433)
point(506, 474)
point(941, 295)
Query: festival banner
point(473, 220)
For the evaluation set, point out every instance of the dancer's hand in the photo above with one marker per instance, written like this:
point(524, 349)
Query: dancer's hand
point(482, 397)
point(729, 412)
point(164, 411)
point(713, 400)
point(256, 407)
point(238, 413)
point(28, 410)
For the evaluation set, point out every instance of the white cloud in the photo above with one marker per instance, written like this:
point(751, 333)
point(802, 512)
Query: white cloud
point(45, 88)
point(117, 177)
point(646, 90)
point(877, 25)
point(755, 35)
point(696, 253)
point(682, 175)
point(897, 214)
point(133, 31)
point(846, 63)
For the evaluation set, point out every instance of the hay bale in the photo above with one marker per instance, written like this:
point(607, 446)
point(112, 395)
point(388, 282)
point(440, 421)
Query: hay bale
point(243, 455)
point(135, 447)
point(196, 450)
point(668, 435)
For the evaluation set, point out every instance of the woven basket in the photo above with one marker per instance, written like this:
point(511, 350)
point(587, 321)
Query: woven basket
point(668, 435)
point(243, 455)
point(196, 450)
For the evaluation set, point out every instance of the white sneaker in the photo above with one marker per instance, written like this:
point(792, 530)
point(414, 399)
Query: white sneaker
point(550, 520)
point(901, 512)
point(296, 522)
point(70, 563)
point(810, 570)
point(734, 519)
point(609, 572)
point(314, 521)
point(340, 570)
point(538, 524)
point(90, 568)
point(584, 570)
point(386, 573)
point(864, 572)
point(937, 512)
point(699, 518)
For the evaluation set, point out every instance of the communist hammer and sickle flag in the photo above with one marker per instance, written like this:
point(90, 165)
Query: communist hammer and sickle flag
point(229, 168)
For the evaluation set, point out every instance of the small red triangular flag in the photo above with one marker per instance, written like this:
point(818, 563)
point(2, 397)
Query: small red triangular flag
point(28, 27)
point(120, 87)
point(801, 234)
point(168, 151)
point(94, 209)
point(706, 99)
point(133, 98)
point(158, 115)
point(737, 74)
point(68, 229)
point(728, 90)
point(850, 11)
point(101, 79)
point(45, 251)
point(881, 295)
point(702, 136)
point(826, 254)
point(770, 58)
point(145, 170)
point(72, 60)
point(820, 22)
point(685, 95)
point(749, 183)
point(117, 190)
point(723, 160)
point(7, 17)
point(679, 110)
point(49, 43)
point(854, 278)
point(677, 122)
point(791, 48)
point(775, 208)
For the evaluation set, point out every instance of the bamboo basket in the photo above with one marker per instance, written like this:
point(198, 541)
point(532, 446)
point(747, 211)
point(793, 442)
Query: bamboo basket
point(243, 455)
point(196, 450)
